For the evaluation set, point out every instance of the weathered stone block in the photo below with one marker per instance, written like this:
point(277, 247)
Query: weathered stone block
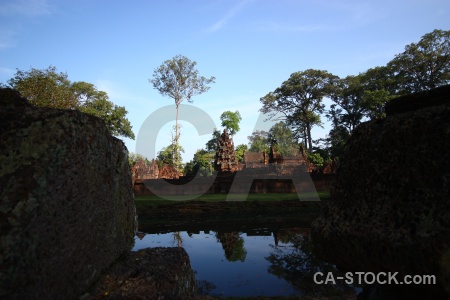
point(67, 209)
point(391, 198)
point(152, 273)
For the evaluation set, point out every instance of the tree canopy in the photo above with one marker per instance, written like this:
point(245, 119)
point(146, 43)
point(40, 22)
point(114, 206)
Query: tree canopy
point(423, 65)
point(239, 152)
point(281, 136)
point(45, 88)
point(259, 141)
point(299, 99)
point(211, 145)
point(52, 89)
point(230, 120)
point(178, 79)
point(201, 164)
point(356, 98)
point(171, 155)
point(348, 108)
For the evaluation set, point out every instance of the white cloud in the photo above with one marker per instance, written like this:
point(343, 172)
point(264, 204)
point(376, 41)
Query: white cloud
point(231, 13)
point(26, 7)
point(112, 89)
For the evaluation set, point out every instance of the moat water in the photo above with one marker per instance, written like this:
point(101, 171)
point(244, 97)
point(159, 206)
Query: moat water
point(252, 262)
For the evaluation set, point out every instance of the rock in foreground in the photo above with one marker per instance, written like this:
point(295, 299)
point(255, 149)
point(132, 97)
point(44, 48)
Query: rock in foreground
point(391, 199)
point(67, 209)
point(152, 273)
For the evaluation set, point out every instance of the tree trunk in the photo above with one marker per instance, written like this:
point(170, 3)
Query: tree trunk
point(305, 138)
point(175, 141)
point(308, 132)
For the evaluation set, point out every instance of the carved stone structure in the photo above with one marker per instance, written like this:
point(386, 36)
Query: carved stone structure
point(330, 167)
point(288, 165)
point(168, 172)
point(254, 160)
point(141, 170)
point(277, 163)
point(225, 160)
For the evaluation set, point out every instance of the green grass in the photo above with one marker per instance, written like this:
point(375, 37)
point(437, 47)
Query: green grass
point(156, 200)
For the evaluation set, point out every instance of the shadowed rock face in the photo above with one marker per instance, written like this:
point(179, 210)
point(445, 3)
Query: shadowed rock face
point(391, 197)
point(151, 273)
point(67, 209)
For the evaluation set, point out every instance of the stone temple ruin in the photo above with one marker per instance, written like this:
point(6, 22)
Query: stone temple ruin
point(277, 164)
point(142, 170)
point(273, 163)
point(255, 164)
point(225, 160)
point(259, 172)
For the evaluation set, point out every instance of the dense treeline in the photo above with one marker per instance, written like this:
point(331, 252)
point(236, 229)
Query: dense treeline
point(355, 98)
point(298, 103)
point(50, 88)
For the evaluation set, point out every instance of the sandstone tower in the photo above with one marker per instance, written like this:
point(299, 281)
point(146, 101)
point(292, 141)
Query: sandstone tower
point(225, 160)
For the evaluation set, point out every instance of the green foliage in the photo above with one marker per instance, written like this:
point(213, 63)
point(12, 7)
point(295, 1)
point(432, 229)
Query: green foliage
point(378, 78)
point(374, 103)
point(334, 143)
point(45, 88)
point(230, 120)
point(150, 201)
point(233, 245)
point(171, 155)
point(423, 65)
point(178, 79)
point(323, 152)
point(348, 108)
point(283, 139)
point(239, 152)
point(280, 136)
point(211, 145)
point(135, 157)
point(299, 99)
point(299, 266)
point(316, 159)
point(202, 164)
point(259, 141)
point(52, 89)
point(96, 103)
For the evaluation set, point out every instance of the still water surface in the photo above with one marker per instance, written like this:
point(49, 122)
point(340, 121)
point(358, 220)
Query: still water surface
point(256, 263)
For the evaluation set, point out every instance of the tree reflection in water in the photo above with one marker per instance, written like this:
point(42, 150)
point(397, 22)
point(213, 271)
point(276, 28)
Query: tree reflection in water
point(298, 264)
point(233, 245)
point(177, 238)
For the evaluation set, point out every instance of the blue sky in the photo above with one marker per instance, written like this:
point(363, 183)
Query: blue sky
point(250, 46)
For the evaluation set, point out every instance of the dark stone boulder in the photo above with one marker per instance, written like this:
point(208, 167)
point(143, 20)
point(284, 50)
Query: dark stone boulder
point(12, 99)
point(390, 208)
point(152, 273)
point(66, 203)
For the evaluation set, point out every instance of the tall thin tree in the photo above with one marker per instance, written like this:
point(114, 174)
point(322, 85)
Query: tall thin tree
point(179, 79)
